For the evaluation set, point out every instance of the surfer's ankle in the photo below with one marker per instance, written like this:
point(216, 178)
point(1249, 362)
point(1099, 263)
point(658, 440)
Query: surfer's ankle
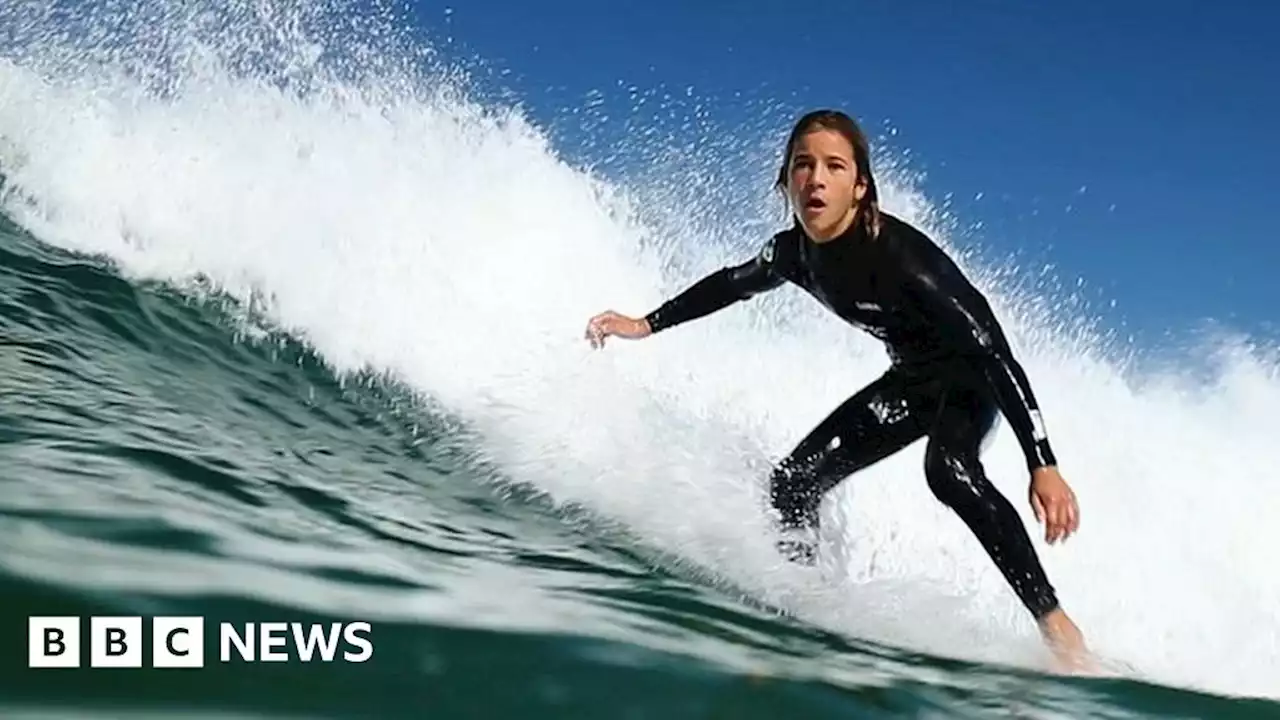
point(1056, 626)
point(798, 551)
point(1064, 639)
point(798, 545)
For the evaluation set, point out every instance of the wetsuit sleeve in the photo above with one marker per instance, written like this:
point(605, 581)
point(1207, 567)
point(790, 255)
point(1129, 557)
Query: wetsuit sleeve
point(941, 291)
point(720, 289)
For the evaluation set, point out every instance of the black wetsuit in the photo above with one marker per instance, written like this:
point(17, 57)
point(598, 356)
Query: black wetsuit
point(952, 371)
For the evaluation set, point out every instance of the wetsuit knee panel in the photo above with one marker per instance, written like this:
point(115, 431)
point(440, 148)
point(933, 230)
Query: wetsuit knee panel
point(953, 479)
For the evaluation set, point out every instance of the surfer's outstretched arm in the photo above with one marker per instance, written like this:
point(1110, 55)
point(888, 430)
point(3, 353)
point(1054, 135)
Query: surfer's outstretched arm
point(713, 292)
point(719, 290)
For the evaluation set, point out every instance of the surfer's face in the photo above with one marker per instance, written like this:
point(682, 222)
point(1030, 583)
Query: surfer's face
point(824, 184)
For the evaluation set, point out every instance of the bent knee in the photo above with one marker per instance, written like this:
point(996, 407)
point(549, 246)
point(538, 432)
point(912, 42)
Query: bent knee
point(953, 480)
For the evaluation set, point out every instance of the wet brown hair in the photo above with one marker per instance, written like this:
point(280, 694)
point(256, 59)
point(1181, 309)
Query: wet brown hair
point(868, 212)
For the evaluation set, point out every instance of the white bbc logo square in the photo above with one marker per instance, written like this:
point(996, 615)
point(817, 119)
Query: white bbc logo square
point(177, 642)
point(115, 642)
point(53, 642)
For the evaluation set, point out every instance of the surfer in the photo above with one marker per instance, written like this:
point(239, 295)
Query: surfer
point(951, 370)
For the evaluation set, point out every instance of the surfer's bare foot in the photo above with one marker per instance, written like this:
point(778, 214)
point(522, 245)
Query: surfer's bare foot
point(1066, 642)
point(798, 551)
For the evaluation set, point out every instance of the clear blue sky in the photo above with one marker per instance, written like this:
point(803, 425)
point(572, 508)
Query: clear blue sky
point(1165, 114)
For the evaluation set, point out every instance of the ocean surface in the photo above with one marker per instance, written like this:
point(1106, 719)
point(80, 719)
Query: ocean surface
point(291, 321)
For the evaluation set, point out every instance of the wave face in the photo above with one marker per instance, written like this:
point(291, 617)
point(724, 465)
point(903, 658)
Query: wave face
point(295, 318)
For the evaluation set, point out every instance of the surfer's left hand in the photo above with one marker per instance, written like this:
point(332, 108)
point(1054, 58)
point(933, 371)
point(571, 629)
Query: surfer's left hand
point(1054, 504)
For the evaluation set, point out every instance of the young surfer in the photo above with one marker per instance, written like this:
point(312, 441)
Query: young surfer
point(951, 368)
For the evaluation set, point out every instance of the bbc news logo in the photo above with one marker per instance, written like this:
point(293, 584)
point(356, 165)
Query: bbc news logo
point(179, 642)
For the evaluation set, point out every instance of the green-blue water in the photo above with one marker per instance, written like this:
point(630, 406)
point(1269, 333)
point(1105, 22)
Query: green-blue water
point(158, 463)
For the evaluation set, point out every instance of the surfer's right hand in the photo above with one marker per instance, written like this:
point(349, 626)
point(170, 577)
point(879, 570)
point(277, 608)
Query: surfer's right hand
point(611, 323)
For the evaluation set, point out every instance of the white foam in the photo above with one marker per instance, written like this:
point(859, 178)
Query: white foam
point(446, 242)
